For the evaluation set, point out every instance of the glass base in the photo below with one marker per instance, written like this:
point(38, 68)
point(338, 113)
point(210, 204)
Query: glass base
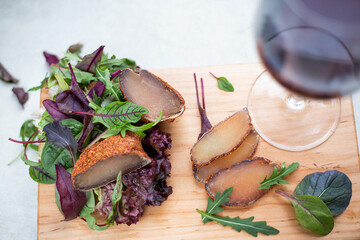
point(289, 121)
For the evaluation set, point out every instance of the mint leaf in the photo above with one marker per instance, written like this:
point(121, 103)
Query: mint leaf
point(223, 83)
point(115, 199)
point(276, 176)
point(245, 224)
point(311, 212)
point(214, 206)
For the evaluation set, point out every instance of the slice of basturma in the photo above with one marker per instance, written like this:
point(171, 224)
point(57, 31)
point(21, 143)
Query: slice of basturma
point(244, 177)
point(243, 152)
point(148, 90)
point(221, 139)
point(101, 163)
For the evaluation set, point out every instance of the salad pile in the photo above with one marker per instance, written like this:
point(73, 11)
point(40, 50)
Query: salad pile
point(86, 105)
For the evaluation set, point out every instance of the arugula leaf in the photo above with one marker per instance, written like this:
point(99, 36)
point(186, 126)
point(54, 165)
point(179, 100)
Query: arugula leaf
point(311, 212)
point(334, 188)
point(114, 64)
point(223, 83)
point(42, 84)
point(214, 206)
point(61, 136)
point(105, 77)
point(46, 118)
point(88, 209)
point(276, 176)
point(38, 174)
point(245, 224)
point(115, 199)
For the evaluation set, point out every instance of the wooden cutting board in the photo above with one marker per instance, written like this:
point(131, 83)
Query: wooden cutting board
point(177, 217)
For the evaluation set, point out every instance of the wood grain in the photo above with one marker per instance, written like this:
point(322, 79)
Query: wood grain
point(177, 218)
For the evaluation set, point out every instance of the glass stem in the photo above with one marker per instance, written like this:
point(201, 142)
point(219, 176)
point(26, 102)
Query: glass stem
point(295, 102)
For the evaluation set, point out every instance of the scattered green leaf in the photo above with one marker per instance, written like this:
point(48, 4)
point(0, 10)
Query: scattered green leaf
point(245, 224)
point(334, 188)
point(213, 206)
point(311, 212)
point(276, 176)
point(223, 83)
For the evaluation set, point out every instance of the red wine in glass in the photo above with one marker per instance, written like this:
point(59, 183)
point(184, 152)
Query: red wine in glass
point(312, 49)
point(311, 46)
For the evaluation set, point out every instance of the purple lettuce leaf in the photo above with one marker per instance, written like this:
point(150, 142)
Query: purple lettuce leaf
point(21, 95)
point(99, 89)
point(90, 61)
point(88, 126)
point(6, 76)
point(114, 74)
point(54, 111)
point(75, 88)
point(62, 137)
point(70, 201)
point(51, 58)
point(145, 186)
point(67, 103)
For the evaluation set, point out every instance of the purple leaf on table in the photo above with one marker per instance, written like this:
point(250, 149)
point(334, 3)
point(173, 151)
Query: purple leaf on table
point(69, 200)
point(51, 58)
point(90, 61)
point(6, 76)
point(21, 95)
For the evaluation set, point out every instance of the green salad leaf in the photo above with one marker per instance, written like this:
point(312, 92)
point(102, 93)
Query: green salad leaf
point(88, 209)
point(334, 188)
point(245, 224)
point(223, 83)
point(213, 206)
point(276, 176)
point(115, 199)
point(311, 212)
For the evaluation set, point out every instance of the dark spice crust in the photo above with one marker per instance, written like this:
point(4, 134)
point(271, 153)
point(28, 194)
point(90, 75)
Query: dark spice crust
point(107, 148)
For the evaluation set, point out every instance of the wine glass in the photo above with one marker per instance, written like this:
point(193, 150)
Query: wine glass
point(312, 49)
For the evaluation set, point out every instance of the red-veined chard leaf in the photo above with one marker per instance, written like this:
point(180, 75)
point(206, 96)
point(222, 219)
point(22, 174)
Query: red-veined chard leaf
point(21, 95)
point(70, 201)
point(90, 61)
point(39, 174)
point(6, 76)
point(61, 136)
point(51, 58)
point(54, 111)
point(117, 114)
point(334, 188)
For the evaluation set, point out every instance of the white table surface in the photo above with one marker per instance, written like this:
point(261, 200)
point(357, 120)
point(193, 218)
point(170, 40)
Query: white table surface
point(157, 34)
